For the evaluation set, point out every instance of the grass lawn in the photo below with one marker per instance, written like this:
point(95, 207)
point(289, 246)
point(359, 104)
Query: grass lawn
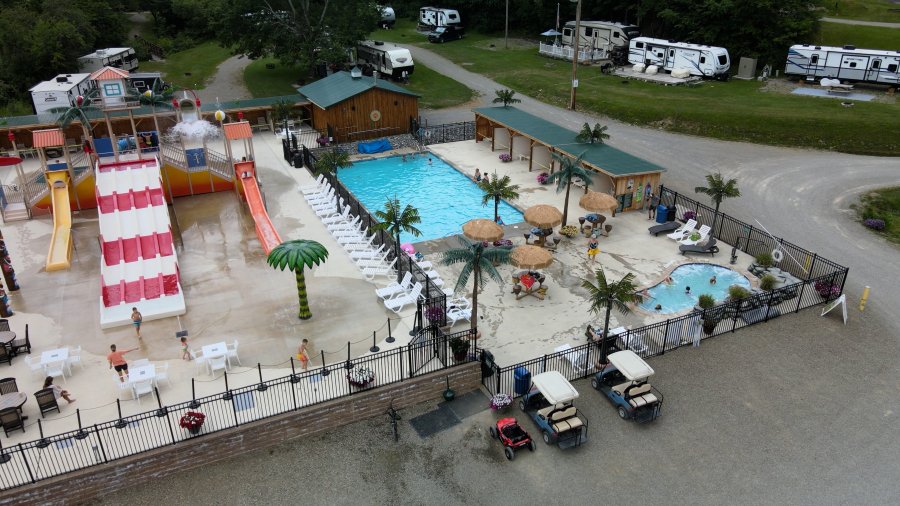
point(868, 37)
point(201, 62)
point(735, 110)
point(868, 10)
point(436, 90)
point(883, 204)
point(263, 82)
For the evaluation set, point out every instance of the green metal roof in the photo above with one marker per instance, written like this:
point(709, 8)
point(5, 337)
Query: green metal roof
point(340, 86)
point(601, 156)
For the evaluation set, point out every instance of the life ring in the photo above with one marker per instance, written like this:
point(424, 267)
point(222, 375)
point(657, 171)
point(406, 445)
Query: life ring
point(375, 115)
point(777, 255)
point(427, 134)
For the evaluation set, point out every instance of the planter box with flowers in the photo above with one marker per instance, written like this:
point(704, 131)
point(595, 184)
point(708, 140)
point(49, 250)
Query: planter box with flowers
point(322, 141)
point(543, 178)
point(569, 231)
point(827, 290)
point(435, 314)
point(361, 376)
point(874, 224)
point(505, 157)
point(689, 215)
point(501, 401)
point(192, 421)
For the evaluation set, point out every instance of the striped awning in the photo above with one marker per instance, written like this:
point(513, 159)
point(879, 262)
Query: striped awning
point(109, 74)
point(48, 138)
point(239, 130)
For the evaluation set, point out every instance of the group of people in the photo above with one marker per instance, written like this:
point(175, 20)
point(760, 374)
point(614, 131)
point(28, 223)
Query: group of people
point(478, 177)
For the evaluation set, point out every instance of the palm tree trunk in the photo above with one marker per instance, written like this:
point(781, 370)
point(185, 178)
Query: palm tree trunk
point(712, 229)
point(305, 313)
point(475, 276)
point(566, 204)
point(605, 332)
point(496, 208)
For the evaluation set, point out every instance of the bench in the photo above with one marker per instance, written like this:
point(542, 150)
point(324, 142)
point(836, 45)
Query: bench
point(643, 400)
point(565, 419)
point(545, 412)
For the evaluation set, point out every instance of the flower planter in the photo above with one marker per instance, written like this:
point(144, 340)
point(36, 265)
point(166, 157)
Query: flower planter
point(195, 430)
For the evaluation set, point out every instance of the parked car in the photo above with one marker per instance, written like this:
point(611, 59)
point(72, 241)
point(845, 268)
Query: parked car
point(624, 382)
point(445, 33)
point(549, 404)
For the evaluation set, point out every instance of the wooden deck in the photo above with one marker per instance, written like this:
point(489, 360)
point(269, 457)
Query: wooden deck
point(660, 78)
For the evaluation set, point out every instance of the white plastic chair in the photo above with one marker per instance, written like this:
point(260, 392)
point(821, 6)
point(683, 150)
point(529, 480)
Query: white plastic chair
point(397, 303)
point(217, 364)
point(141, 362)
point(370, 273)
point(317, 188)
point(369, 254)
point(56, 369)
point(34, 365)
point(683, 231)
point(140, 388)
point(233, 352)
point(199, 360)
point(123, 386)
point(74, 358)
point(395, 288)
point(162, 373)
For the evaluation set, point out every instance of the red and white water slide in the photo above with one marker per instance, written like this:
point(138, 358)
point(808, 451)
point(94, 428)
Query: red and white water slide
point(265, 231)
point(138, 265)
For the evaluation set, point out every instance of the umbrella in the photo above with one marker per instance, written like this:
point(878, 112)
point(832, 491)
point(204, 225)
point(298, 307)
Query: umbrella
point(531, 257)
point(543, 216)
point(551, 33)
point(482, 230)
point(596, 201)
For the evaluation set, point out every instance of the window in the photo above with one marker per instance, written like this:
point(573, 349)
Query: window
point(723, 60)
point(588, 32)
point(112, 90)
point(616, 35)
point(814, 59)
point(876, 64)
point(453, 16)
point(702, 59)
point(639, 45)
point(567, 32)
point(892, 67)
point(853, 65)
point(671, 53)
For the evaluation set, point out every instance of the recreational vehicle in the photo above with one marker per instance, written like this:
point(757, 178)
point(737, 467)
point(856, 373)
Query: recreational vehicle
point(606, 35)
point(60, 91)
point(388, 18)
point(389, 61)
point(845, 63)
point(432, 17)
point(706, 61)
point(118, 57)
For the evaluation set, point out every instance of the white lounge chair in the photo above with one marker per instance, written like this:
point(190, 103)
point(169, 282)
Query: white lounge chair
point(457, 313)
point(353, 225)
point(396, 304)
point(344, 216)
point(680, 233)
point(371, 273)
point(703, 232)
point(368, 253)
point(378, 261)
point(577, 358)
point(325, 204)
point(355, 239)
point(328, 194)
point(392, 290)
point(315, 187)
point(349, 233)
point(333, 210)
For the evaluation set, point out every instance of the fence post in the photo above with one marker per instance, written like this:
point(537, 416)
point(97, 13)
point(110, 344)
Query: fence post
point(100, 440)
point(27, 467)
point(800, 295)
point(737, 314)
point(665, 335)
point(812, 266)
point(769, 305)
point(544, 363)
point(498, 372)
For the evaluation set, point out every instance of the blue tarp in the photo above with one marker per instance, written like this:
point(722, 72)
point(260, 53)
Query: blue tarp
point(376, 146)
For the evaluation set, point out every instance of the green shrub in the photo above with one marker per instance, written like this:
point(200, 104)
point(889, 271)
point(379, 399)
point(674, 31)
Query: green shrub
point(737, 292)
point(767, 282)
point(764, 259)
point(706, 301)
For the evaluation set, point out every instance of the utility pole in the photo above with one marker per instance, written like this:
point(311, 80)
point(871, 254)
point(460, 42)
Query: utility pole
point(577, 45)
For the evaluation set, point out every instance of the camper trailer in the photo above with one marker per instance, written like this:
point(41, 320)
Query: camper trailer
point(706, 61)
point(143, 81)
point(388, 61)
point(118, 57)
point(845, 63)
point(605, 35)
point(388, 18)
point(60, 91)
point(433, 17)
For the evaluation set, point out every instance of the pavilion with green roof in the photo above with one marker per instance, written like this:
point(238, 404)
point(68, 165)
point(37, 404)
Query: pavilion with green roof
point(528, 137)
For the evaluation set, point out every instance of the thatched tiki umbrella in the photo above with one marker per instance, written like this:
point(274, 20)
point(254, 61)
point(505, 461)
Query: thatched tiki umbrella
point(482, 230)
point(596, 202)
point(543, 216)
point(531, 257)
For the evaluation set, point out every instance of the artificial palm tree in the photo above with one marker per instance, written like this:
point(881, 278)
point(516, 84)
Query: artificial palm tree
point(718, 190)
point(156, 97)
point(568, 170)
point(498, 188)
point(297, 255)
point(506, 97)
point(78, 112)
point(330, 161)
point(597, 134)
point(606, 296)
point(394, 220)
point(476, 260)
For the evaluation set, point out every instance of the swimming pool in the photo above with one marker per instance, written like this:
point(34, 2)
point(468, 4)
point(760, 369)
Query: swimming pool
point(445, 197)
point(672, 297)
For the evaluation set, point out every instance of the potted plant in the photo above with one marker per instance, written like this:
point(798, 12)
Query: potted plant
point(192, 421)
point(501, 401)
point(434, 314)
point(569, 231)
point(543, 178)
point(459, 347)
point(689, 215)
point(710, 320)
point(505, 157)
point(608, 229)
point(361, 376)
point(503, 243)
point(827, 289)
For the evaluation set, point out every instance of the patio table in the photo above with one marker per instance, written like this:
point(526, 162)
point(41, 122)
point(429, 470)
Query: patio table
point(7, 336)
point(57, 355)
point(13, 400)
point(142, 373)
point(215, 350)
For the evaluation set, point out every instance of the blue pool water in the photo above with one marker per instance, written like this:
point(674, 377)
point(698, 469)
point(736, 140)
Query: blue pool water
point(444, 196)
point(673, 298)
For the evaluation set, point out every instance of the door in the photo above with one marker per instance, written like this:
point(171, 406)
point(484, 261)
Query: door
point(670, 59)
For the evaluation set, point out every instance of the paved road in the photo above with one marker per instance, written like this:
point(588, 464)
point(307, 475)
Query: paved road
point(227, 83)
point(861, 23)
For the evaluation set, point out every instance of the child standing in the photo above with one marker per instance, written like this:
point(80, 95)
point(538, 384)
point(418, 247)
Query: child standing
point(593, 247)
point(136, 319)
point(303, 354)
point(185, 350)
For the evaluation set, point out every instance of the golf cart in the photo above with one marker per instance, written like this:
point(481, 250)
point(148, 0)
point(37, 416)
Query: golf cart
point(549, 404)
point(624, 382)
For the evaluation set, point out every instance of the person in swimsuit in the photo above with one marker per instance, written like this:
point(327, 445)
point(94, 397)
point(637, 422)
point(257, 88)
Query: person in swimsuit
point(303, 354)
point(117, 360)
point(593, 248)
point(136, 319)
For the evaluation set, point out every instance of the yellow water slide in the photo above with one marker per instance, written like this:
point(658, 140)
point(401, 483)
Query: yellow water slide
point(60, 255)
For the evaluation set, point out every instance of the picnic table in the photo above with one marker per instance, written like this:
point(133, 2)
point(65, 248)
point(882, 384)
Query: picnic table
point(142, 373)
point(58, 355)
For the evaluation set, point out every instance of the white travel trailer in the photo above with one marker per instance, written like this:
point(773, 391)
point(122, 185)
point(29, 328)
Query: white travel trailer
point(388, 18)
point(706, 61)
point(845, 63)
point(388, 61)
point(60, 91)
point(432, 17)
point(605, 35)
point(118, 57)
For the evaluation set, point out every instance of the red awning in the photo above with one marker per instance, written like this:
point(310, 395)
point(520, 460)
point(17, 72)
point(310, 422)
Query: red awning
point(239, 130)
point(48, 138)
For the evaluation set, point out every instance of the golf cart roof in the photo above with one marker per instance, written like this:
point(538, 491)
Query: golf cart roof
point(554, 387)
point(630, 365)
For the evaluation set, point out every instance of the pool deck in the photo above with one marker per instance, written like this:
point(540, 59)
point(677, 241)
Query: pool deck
point(231, 293)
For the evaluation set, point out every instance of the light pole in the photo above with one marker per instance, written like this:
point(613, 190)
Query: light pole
point(506, 29)
point(577, 39)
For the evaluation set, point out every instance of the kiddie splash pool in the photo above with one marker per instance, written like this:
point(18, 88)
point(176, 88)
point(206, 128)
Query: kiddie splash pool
point(673, 297)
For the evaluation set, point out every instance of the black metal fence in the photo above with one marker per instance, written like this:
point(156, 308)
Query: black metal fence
point(130, 435)
point(447, 132)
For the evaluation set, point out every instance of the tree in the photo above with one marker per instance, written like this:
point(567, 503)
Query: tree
point(718, 190)
point(157, 98)
point(330, 161)
point(476, 259)
point(395, 220)
point(568, 170)
point(606, 296)
point(598, 134)
point(498, 188)
point(78, 112)
point(506, 97)
point(298, 255)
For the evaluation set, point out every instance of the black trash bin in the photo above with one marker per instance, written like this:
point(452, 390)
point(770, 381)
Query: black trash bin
point(487, 364)
point(670, 214)
point(521, 380)
point(298, 160)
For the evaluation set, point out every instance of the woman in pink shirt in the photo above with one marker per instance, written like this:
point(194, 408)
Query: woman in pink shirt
point(117, 360)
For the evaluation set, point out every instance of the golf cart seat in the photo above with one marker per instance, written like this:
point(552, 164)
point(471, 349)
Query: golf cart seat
point(545, 412)
point(642, 400)
point(637, 390)
point(515, 433)
point(565, 419)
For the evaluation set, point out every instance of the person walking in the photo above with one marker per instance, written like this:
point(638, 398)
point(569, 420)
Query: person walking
point(57, 390)
point(653, 199)
point(117, 361)
point(185, 350)
point(593, 247)
point(303, 354)
point(136, 319)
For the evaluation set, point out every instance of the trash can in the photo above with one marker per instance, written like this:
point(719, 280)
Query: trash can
point(521, 380)
point(662, 213)
point(298, 160)
point(487, 364)
point(670, 216)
